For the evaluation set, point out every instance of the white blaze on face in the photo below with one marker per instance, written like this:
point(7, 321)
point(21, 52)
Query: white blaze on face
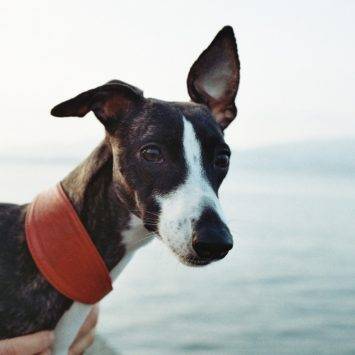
point(181, 207)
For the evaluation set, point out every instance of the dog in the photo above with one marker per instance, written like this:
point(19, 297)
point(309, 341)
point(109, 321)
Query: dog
point(155, 175)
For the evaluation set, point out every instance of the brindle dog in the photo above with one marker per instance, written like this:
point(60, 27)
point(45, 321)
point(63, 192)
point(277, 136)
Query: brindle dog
point(159, 167)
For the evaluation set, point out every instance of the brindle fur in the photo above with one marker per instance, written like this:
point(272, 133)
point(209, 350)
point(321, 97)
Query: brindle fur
point(28, 303)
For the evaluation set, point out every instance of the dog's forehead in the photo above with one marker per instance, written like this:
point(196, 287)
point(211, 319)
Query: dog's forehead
point(206, 128)
point(164, 121)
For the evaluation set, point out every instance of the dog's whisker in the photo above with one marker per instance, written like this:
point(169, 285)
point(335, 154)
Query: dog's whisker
point(153, 214)
point(146, 237)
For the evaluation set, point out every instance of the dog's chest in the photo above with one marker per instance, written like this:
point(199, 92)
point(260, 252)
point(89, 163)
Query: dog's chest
point(133, 238)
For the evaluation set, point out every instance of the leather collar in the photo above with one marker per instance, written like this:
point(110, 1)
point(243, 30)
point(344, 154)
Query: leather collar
point(62, 248)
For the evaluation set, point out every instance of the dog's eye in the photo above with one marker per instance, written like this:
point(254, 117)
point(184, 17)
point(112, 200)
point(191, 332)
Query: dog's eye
point(152, 153)
point(222, 161)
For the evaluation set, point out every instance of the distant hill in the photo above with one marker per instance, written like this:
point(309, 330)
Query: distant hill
point(333, 156)
point(49, 153)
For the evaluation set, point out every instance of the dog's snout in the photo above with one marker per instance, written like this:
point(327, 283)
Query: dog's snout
point(211, 237)
point(212, 243)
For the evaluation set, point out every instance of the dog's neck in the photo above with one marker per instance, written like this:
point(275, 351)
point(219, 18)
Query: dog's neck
point(91, 191)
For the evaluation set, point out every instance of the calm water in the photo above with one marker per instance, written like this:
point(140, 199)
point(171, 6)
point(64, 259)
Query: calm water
point(288, 286)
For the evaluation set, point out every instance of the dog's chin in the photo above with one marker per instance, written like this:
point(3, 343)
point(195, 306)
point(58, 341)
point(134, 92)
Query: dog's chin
point(194, 261)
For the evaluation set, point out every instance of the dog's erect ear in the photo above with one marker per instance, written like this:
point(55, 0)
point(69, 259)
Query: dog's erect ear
point(214, 78)
point(109, 102)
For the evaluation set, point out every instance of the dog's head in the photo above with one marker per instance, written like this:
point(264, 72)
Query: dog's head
point(170, 158)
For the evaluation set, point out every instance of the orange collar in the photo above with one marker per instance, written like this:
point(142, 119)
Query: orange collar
point(62, 248)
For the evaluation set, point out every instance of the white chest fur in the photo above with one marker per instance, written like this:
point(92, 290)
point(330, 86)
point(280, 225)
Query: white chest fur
point(134, 237)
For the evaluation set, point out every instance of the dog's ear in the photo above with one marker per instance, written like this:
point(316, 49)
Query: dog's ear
point(109, 103)
point(213, 79)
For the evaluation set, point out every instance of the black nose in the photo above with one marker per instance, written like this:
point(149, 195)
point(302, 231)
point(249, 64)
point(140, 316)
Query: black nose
point(212, 243)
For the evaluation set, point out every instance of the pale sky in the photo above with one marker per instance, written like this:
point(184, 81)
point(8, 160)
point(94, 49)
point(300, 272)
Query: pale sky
point(297, 78)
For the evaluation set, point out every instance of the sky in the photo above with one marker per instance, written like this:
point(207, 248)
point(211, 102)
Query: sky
point(297, 58)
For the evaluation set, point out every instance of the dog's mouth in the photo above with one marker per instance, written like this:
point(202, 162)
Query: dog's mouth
point(187, 254)
point(194, 261)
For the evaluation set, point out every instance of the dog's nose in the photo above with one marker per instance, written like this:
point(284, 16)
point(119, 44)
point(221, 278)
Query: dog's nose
point(212, 243)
